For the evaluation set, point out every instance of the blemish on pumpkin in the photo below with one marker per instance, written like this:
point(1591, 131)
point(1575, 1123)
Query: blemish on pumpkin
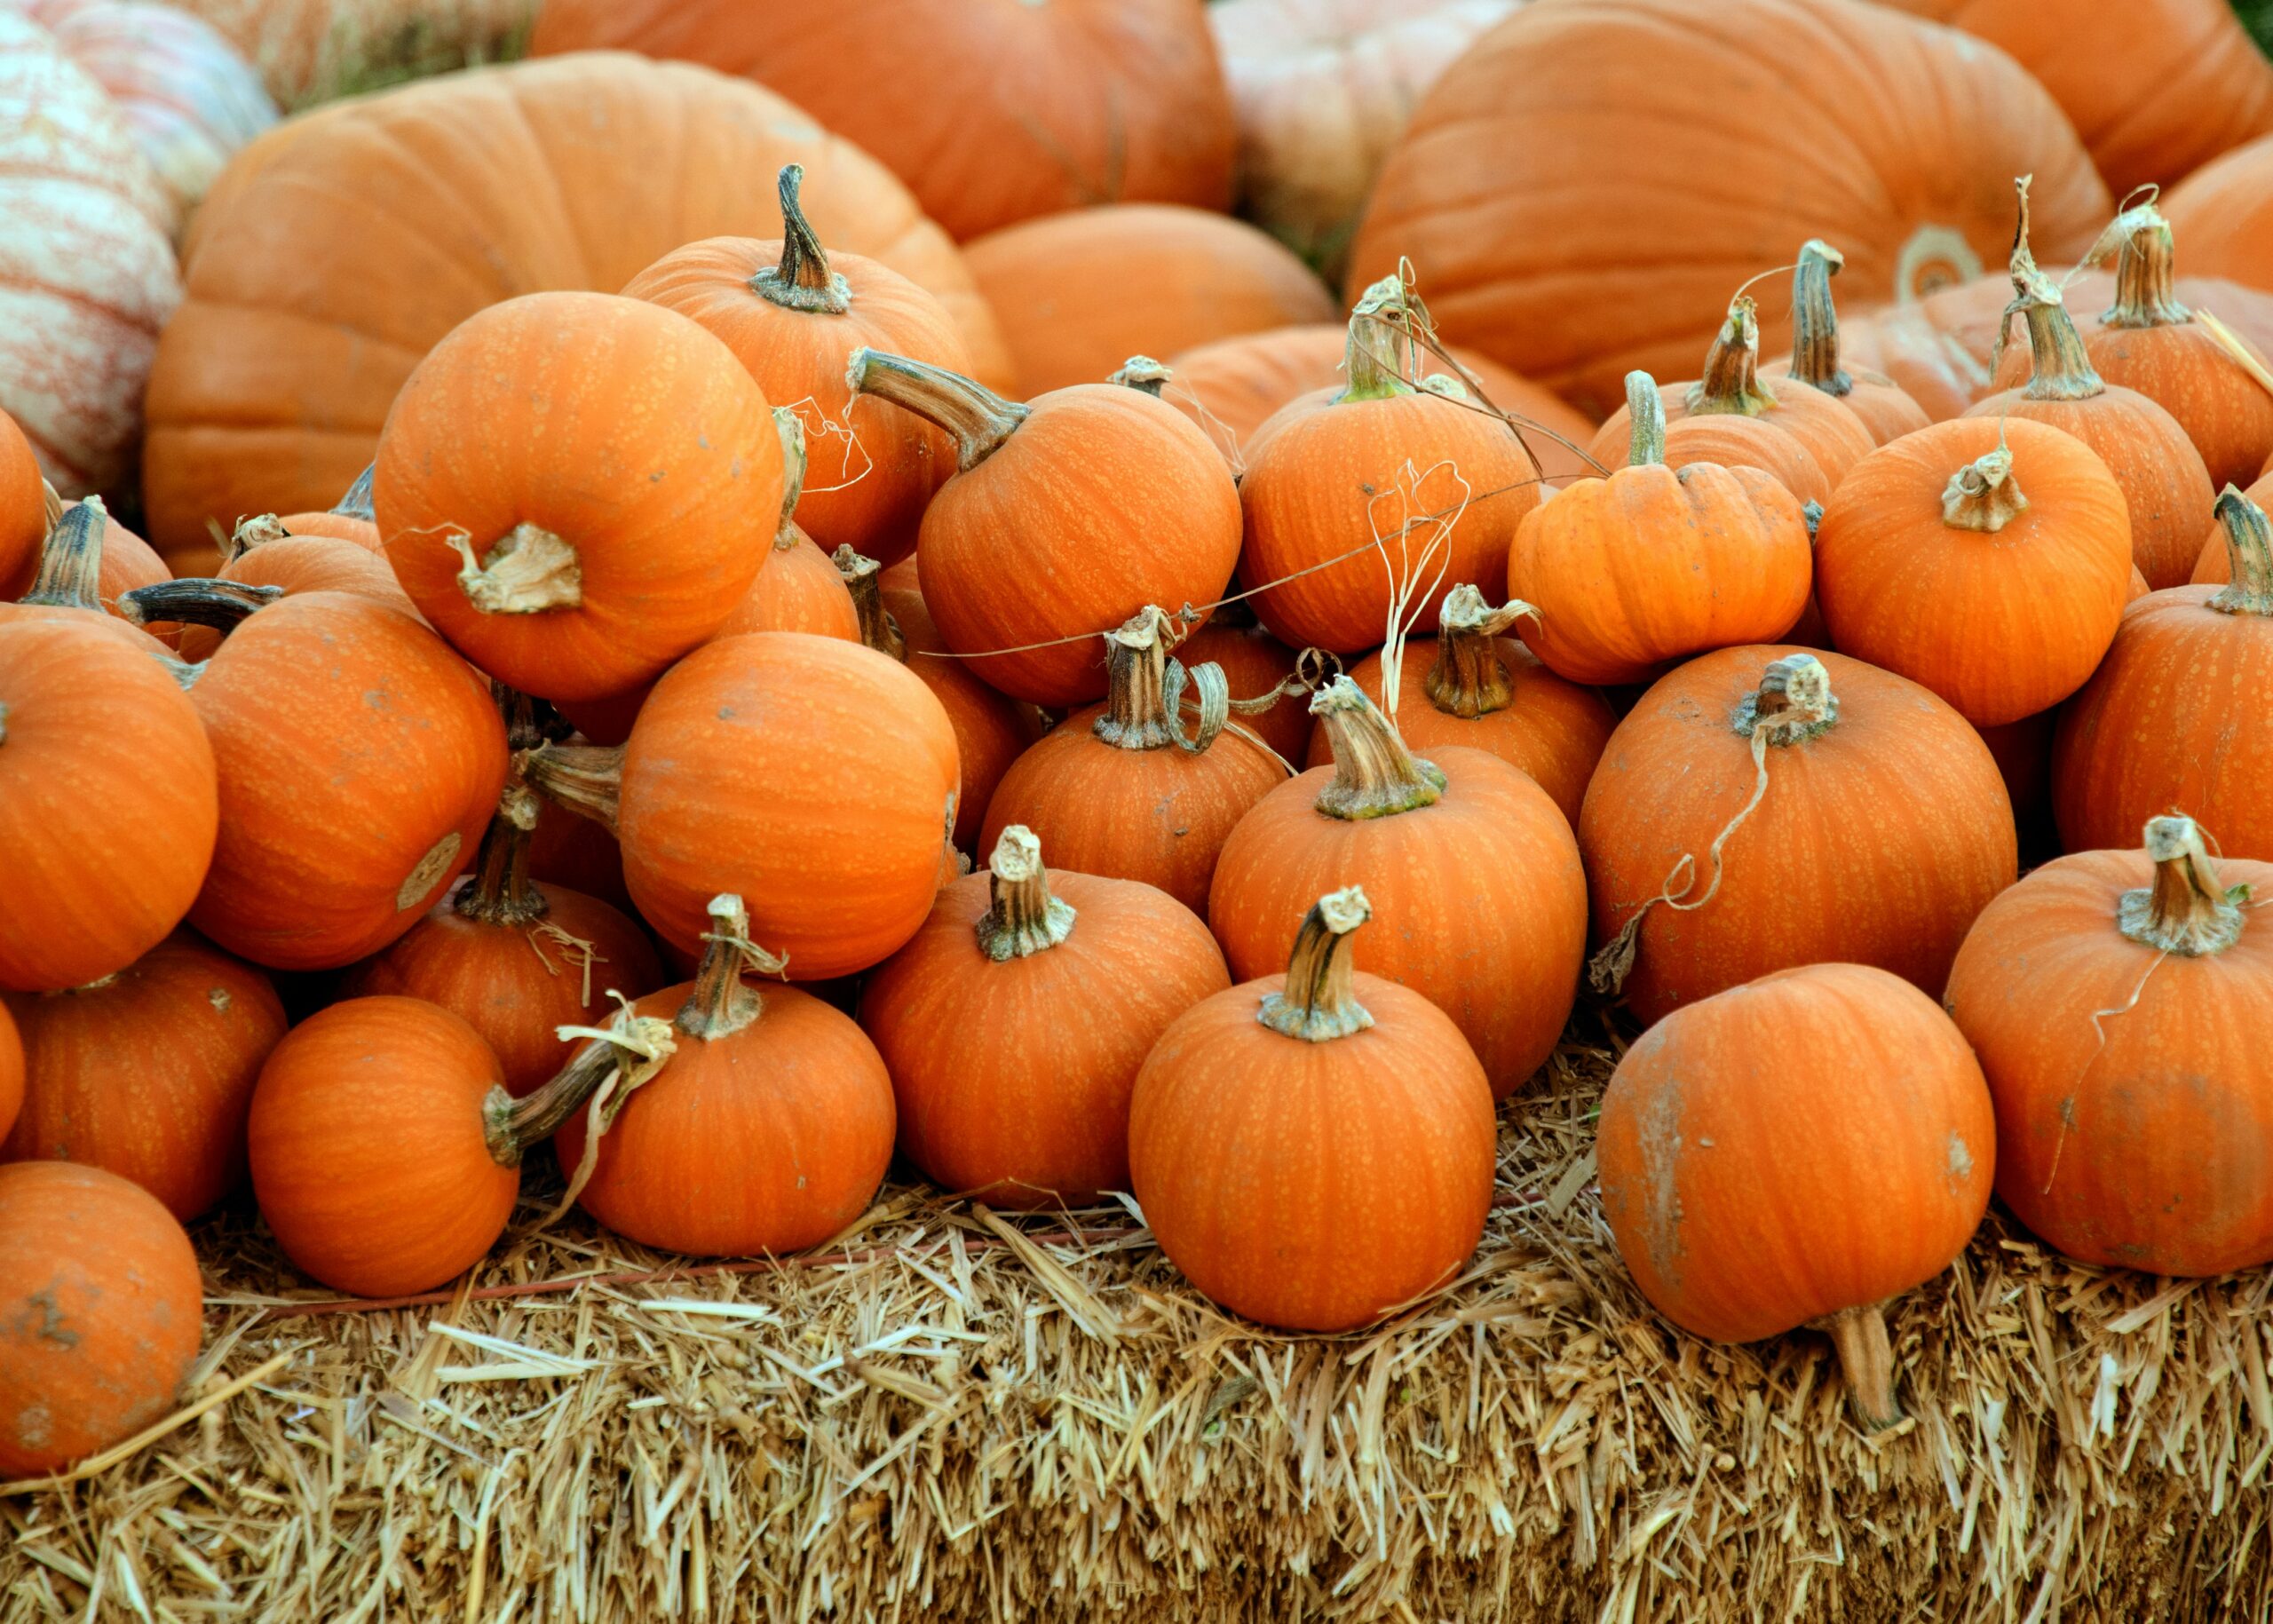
point(1661, 1213)
point(1960, 1160)
point(35, 1426)
point(51, 1327)
point(218, 997)
point(431, 871)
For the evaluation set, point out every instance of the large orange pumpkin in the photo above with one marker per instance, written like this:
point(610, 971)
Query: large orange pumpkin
point(1314, 1149)
point(1796, 1151)
point(2224, 211)
point(1815, 360)
point(309, 302)
point(1575, 285)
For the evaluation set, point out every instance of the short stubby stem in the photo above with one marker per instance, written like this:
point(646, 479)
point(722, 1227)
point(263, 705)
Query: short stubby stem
point(1866, 1359)
point(1374, 775)
point(2249, 557)
point(722, 1002)
point(1022, 917)
point(71, 559)
point(1982, 495)
point(1135, 715)
point(1377, 360)
point(1469, 677)
point(1815, 319)
point(861, 577)
point(1793, 701)
point(1645, 412)
point(1730, 385)
point(501, 892)
point(978, 418)
point(527, 571)
point(803, 279)
point(2145, 271)
point(1319, 1003)
point(2186, 910)
point(257, 531)
point(1142, 372)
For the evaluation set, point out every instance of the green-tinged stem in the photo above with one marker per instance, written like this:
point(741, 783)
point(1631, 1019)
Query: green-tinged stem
point(1469, 677)
point(2249, 556)
point(1377, 356)
point(1983, 495)
point(587, 779)
point(195, 600)
point(1023, 918)
point(1732, 385)
point(71, 559)
point(1142, 372)
point(1374, 775)
point(803, 279)
point(1866, 1359)
point(1319, 1003)
point(1645, 412)
point(1815, 319)
point(980, 419)
point(356, 502)
point(2186, 910)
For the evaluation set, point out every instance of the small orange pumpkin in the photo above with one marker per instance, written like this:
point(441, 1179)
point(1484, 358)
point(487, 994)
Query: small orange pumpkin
point(1880, 403)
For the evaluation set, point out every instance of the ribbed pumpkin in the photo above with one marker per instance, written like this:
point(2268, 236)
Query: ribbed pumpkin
point(766, 1131)
point(1988, 560)
point(813, 775)
point(2224, 212)
point(23, 511)
point(1653, 563)
point(791, 312)
point(1788, 808)
point(359, 760)
point(1575, 285)
point(2172, 716)
point(2117, 1000)
point(1120, 790)
point(1473, 855)
point(2165, 482)
point(100, 1313)
point(1472, 684)
point(1359, 500)
point(108, 800)
point(148, 1073)
point(1793, 1151)
point(1255, 663)
point(1078, 293)
point(1014, 1022)
point(1069, 513)
point(576, 488)
point(1875, 398)
point(1315, 1149)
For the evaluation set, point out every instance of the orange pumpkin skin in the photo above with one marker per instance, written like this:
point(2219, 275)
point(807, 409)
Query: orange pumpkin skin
point(1881, 405)
point(580, 854)
point(359, 760)
point(799, 589)
point(2140, 1139)
point(2221, 213)
point(1744, 1206)
point(12, 1071)
point(149, 1075)
point(23, 511)
point(992, 730)
point(1877, 842)
point(104, 770)
point(367, 1151)
point(2002, 613)
point(591, 434)
point(1013, 1075)
point(100, 1313)
point(305, 564)
point(1726, 442)
point(1254, 663)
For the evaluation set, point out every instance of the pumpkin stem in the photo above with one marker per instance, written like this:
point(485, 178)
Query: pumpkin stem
point(1470, 679)
point(2145, 271)
point(803, 281)
point(1023, 918)
point(632, 1049)
point(722, 1002)
point(1866, 1359)
point(1142, 372)
point(1815, 319)
point(862, 576)
point(250, 533)
point(1645, 412)
point(527, 571)
point(2249, 553)
point(1374, 775)
point(1378, 352)
point(1319, 1004)
point(2186, 911)
point(502, 892)
point(587, 779)
point(1144, 690)
point(791, 428)
point(71, 558)
point(195, 601)
point(1793, 701)
point(1982, 495)
point(356, 502)
point(2061, 369)
point(1732, 385)
point(978, 418)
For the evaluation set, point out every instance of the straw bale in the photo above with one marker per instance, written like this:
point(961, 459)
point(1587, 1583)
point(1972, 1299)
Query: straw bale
point(955, 1414)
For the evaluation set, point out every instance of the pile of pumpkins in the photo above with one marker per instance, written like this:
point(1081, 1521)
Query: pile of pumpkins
point(603, 767)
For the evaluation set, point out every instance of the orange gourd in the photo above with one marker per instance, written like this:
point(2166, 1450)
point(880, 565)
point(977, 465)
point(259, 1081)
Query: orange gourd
point(262, 552)
point(1793, 1151)
point(1886, 411)
point(1761, 808)
point(1473, 855)
point(2214, 565)
point(1316, 1148)
point(2223, 211)
point(351, 518)
point(12, 1072)
point(148, 1073)
point(23, 511)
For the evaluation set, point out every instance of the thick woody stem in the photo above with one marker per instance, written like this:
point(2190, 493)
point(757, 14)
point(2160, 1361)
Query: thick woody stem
point(2249, 556)
point(1319, 1003)
point(1645, 412)
point(1143, 373)
point(1866, 1359)
point(722, 1002)
point(195, 601)
point(71, 559)
point(510, 1126)
point(863, 575)
point(1469, 677)
point(1731, 385)
point(1135, 715)
point(587, 779)
point(791, 429)
point(1982, 495)
point(1815, 319)
point(502, 892)
point(978, 418)
point(2186, 910)
point(1023, 918)
point(803, 279)
point(2145, 272)
point(2061, 369)
point(1374, 775)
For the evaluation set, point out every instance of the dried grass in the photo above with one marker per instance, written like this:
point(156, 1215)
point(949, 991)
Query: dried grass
point(956, 1415)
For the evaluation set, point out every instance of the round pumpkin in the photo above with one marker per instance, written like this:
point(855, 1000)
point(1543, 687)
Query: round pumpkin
point(1926, 126)
point(1652, 564)
point(2116, 999)
point(351, 518)
point(1014, 1022)
point(1314, 1149)
point(2170, 719)
point(1816, 360)
point(262, 552)
point(1472, 853)
point(1069, 513)
point(305, 313)
point(1761, 808)
point(1989, 561)
point(148, 1073)
point(100, 1313)
point(2223, 213)
point(1793, 1151)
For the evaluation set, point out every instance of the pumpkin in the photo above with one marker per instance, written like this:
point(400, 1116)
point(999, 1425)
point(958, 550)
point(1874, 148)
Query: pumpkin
point(1068, 514)
point(2164, 480)
point(1793, 1151)
point(813, 775)
point(2214, 565)
point(1359, 501)
point(1876, 398)
point(100, 1313)
point(311, 51)
point(1761, 808)
point(2222, 212)
point(1987, 561)
point(1474, 685)
point(2116, 999)
point(108, 802)
point(305, 313)
point(2170, 716)
point(580, 854)
point(23, 511)
point(359, 760)
point(87, 264)
point(1014, 1022)
point(991, 115)
point(1652, 564)
point(1473, 854)
point(148, 1073)
point(1256, 664)
point(351, 518)
point(1754, 93)
point(262, 552)
point(1121, 791)
point(1316, 1148)
point(12, 1072)
point(791, 314)
point(767, 1130)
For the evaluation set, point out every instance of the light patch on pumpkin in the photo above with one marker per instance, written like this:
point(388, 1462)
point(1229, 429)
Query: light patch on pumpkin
point(433, 868)
point(218, 997)
point(1961, 1163)
point(1661, 1213)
